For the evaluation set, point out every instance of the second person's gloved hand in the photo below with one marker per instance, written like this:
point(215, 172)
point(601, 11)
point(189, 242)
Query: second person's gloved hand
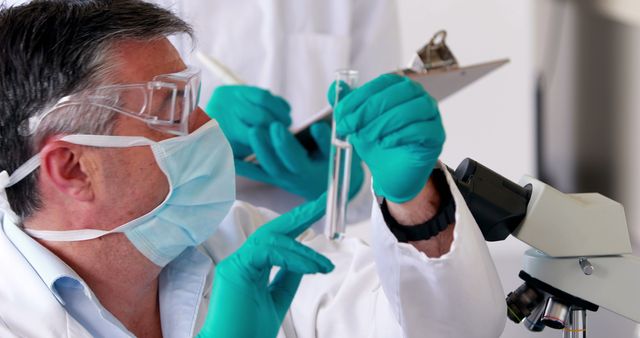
point(255, 121)
point(243, 302)
point(395, 127)
point(238, 108)
point(285, 163)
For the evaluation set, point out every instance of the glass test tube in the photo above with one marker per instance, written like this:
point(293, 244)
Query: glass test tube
point(339, 167)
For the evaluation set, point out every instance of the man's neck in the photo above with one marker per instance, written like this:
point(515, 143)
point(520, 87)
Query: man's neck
point(130, 297)
point(125, 282)
point(139, 312)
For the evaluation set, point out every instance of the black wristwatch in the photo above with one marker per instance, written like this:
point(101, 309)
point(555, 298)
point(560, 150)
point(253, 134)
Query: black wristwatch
point(442, 219)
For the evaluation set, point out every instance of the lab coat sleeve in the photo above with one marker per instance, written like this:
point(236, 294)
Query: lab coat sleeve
point(456, 295)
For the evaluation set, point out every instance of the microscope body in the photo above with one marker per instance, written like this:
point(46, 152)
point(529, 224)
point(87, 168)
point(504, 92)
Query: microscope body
point(568, 230)
point(581, 252)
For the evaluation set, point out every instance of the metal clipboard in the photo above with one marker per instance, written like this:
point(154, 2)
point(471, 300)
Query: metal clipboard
point(435, 67)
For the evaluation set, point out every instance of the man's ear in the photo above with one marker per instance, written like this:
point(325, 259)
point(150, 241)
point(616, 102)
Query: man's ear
point(62, 165)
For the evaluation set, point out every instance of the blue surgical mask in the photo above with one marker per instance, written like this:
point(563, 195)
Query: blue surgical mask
point(200, 171)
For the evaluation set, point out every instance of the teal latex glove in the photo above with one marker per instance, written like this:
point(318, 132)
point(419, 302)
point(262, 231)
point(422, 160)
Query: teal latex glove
point(238, 108)
point(285, 163)
point(395, 127)
point(243, 302)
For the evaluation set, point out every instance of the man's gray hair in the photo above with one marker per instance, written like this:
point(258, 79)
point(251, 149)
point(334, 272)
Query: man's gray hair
point(53, 48)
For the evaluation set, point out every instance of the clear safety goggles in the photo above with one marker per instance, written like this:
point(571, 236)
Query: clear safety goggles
point(165, 103)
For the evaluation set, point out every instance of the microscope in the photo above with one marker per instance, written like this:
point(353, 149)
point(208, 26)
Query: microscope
point(581, 252)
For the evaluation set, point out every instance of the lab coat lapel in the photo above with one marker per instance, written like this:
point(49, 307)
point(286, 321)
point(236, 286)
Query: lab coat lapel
point(27, 306)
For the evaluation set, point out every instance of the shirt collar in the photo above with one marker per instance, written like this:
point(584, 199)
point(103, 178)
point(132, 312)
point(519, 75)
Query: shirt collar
point(184, 282)
point(48, 266)
point(184, 287)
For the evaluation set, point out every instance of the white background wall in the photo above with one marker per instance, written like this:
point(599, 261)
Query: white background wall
point(492, 121)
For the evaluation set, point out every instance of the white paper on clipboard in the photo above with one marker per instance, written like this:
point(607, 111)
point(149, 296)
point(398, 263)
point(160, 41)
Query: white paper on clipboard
point(439, 83)
point(442, 83)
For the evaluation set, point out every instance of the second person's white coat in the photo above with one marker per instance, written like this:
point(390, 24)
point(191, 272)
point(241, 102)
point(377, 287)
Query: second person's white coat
point(292, 48)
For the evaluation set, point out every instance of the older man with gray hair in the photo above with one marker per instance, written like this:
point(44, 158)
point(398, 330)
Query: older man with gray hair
point(117, 196)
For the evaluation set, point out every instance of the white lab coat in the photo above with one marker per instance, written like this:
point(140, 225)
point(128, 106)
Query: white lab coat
point(292, 48)
point(383, 290)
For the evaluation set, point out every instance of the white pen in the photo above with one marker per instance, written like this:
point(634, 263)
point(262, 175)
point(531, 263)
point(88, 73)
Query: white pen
point(221, 71)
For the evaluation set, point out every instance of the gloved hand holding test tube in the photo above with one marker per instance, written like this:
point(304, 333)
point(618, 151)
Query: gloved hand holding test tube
point(340, 159)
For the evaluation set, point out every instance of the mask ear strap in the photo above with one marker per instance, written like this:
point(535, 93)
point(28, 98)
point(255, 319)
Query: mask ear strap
point(5, 207)
point(7, 181)
point(69, 235)
point(33, 163)
point(108, 141)
point(24, 170)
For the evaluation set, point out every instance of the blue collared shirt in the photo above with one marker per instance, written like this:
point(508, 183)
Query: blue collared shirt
point(181, 289)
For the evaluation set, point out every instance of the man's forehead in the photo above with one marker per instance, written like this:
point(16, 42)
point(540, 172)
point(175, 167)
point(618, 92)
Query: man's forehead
point(141, 61)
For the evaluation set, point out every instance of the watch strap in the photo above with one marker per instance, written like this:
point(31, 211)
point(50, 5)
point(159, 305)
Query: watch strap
point(440, 221)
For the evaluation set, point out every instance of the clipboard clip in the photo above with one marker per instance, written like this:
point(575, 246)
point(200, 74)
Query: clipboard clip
point(434, 55)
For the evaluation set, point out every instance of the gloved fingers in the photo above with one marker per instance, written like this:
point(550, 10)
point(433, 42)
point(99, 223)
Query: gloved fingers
point(247, 105)
point(287, 253)
point(278, 109)
point(358, 97)
point(215, 101)
point(395, 119)
point(412, 178)
point(283, 288)
point(343, 91)
point(299, 219)
point(277, 240)
point(291, 153)
point(392, 98)
point(252, 171)
point(263, 146)
point(427, 134)
point(285, 242)
point(248, 115)
point(408, 158)
point(321, 133)
point(286, 259)
point(239, 150)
